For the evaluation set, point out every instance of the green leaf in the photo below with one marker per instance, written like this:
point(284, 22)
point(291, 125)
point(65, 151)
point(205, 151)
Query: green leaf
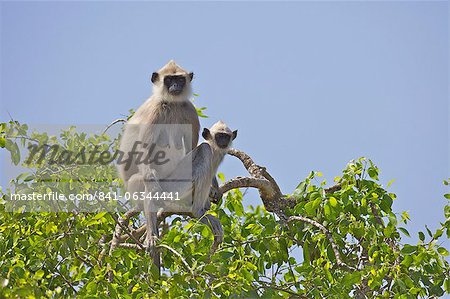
point(221, 176)
point(403, 230)
point(407, 261)
point(386, 203)
point(442, 251)
point(238, 207)
point(99, 215)
point(390, 183)
point(408, 249)
point(333, 202)
point(205, 232)
point(436, 290)
point(447, 285)
point(306, 253)
point(200, 112)
point(299, 190)
point(13, 148)
point(438, 234)
point(92, 287)
point(2, 142)
point(327, 210)
point(421, 236)
point(373, 173)
point(428, 231)
point(312, 206)
point(405, 217)
point(351, 279)
point(226, 255)
point(39, 274)
point(22, 176)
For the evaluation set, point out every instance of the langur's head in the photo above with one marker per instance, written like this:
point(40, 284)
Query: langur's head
point(172, 82)
point(220, 135)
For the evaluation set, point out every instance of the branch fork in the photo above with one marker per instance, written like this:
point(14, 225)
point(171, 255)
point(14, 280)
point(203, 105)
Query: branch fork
point(273, 199)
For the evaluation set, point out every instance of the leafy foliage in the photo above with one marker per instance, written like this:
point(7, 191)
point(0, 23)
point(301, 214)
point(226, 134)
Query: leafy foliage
point(60, 255)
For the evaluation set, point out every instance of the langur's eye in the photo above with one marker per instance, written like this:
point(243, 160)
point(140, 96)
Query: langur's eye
point(180, 80)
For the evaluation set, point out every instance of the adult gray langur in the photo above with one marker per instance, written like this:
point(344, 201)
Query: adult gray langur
point(161, 121)
point(166, 123)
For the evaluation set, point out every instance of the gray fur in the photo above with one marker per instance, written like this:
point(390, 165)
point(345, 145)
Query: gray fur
point(162, 108)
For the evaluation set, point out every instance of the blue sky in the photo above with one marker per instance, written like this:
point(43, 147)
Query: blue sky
point(308, 85)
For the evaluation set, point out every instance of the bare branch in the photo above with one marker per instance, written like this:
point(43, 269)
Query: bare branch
point(119, 120)
point(121, 225)
point(333, 189)
point(137, 233)
point(252, 168)
point(245, 182)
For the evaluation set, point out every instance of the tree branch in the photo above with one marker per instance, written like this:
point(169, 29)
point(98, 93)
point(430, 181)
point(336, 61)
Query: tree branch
point(245, 182)
point(121, 225)
point(272, 197)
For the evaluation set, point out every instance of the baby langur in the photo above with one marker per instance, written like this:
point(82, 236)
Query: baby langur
point(194, 194)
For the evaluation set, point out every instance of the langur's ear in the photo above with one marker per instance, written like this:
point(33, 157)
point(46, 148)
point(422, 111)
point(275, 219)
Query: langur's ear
point(206, 134)
point(191, 76)
point(234, 135)
point(155, 77)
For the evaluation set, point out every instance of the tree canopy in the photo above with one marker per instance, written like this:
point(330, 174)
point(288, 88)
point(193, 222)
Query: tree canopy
point(316, 242)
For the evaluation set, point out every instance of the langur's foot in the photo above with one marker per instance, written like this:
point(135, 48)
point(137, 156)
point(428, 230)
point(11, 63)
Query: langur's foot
point(214, 194)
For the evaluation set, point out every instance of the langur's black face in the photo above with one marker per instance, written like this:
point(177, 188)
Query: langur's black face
point(175, 84)
point(222, 139)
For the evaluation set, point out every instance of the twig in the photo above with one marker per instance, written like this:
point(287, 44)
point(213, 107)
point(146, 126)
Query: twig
point(179, 255)
point(66, 280)
point(119, 120)
point(328, 236)
point(250, 241)
point(185, 264)
point(121, 226)
point(268, 285)
point(137, 233)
